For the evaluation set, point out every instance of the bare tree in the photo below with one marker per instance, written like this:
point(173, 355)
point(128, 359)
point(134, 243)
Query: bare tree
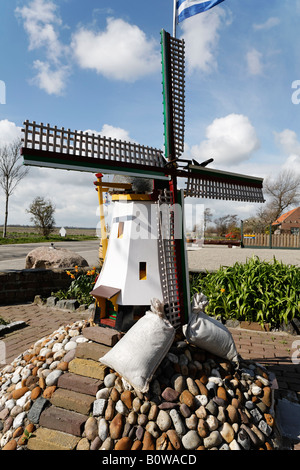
point(42, 215)
point(225, 224)
point(12, 172)
point(207, 217)
point(284, 191)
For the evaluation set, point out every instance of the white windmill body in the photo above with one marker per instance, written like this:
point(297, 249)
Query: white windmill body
point(131, 261)
point(130, 276)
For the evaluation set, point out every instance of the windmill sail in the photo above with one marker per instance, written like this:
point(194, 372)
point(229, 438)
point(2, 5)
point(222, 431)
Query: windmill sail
point(214, 184)
point(76, 150)
point(173, 73)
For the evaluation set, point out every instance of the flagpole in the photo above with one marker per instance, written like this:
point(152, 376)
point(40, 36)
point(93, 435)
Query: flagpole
point(174, 18)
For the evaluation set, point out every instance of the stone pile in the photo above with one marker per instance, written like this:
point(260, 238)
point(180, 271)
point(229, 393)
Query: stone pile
point(196, 401)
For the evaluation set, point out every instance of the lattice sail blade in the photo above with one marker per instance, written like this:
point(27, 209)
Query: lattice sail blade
point(173, 71)
point(167, 258)
point(214, 184)
point(48, 146)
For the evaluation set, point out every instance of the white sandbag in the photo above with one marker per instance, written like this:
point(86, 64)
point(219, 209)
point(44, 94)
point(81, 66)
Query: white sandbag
point(140, 351)
point(209, 334)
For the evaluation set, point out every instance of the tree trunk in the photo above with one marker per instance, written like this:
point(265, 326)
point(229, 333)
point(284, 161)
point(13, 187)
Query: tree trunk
point(5, 217)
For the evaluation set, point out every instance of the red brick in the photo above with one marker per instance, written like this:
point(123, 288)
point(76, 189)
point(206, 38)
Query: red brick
point(79, 383)
point(63, 420)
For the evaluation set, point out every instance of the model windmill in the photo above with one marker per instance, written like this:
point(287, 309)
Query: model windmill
point(153, 265)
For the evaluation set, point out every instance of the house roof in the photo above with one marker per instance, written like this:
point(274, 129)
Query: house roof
point(284, 216)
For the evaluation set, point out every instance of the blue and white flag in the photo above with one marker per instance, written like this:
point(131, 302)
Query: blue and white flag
point(187, 8)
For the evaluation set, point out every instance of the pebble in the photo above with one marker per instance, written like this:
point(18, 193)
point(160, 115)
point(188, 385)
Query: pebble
point(163, 420)
point(91, 428)
point(109, 380)
point(195, 401)
point(214, 439)
point(191, 440)
point(103, 429)
point(53, 377)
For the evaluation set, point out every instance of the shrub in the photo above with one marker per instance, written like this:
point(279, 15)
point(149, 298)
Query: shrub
point(81, 286)
point(261, 291)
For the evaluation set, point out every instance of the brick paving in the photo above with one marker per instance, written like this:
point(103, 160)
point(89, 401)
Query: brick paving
point(41, 322)
point(277, 351)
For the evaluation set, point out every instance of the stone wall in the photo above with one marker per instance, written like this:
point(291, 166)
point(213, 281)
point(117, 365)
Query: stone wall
point(22, 286)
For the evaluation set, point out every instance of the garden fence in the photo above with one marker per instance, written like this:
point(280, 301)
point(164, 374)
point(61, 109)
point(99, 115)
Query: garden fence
point(264, 240)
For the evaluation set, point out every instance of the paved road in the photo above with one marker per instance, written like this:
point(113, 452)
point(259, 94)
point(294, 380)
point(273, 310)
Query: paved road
point(207, 258)
point(212, 257)
point(13, 256)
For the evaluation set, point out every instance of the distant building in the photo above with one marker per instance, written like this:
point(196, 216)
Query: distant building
point(288, 222)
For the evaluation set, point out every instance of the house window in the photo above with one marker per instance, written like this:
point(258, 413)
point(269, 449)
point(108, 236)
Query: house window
point(143, 271)
point(120, 229)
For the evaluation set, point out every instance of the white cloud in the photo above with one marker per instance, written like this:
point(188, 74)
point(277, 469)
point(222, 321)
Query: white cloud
point(53, 81)
point(113, 132)
point(201, 35)
point(288, 141)
point(229, 140)
point(9, 132)
point(41, 23)
point(254, 62)
point(40, 19)
point(121, 52)
point(268, 24)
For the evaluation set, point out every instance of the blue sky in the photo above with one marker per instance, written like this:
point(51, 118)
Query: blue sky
point(95, 65)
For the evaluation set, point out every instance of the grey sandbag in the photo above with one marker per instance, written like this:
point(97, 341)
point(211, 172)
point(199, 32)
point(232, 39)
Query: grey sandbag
point(140, 351)
point(208, 333)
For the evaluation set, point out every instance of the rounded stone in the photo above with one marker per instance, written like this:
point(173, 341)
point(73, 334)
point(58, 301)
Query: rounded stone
point(163, 420)
point(213, 440)
point(227, 432)
point(184, 410)
point(212, 423)
point(103, 429)
point(70, 346)
point(109, 380)
point(234, 445)
point(53, 377)
point(116, 426)
point(191, 440)
point(267, 396)
point(83, 444)
point(191, 422)
point(188, 399)
point(174, 439)
point(35, 393)
point(153, 412)
point(233, 415)
point(124, 443)
point(91, 428)
point(169, 394)
point(153, 429)
point(180, 384)
point(221, 393)
point(177, 422)
point(48, 392)
point(202, 428)
point(11, 445)
point(121, 408)
point(18, 393)
point(148, 442)
point(192, 387)
point(243, 439)
point(127, 398)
